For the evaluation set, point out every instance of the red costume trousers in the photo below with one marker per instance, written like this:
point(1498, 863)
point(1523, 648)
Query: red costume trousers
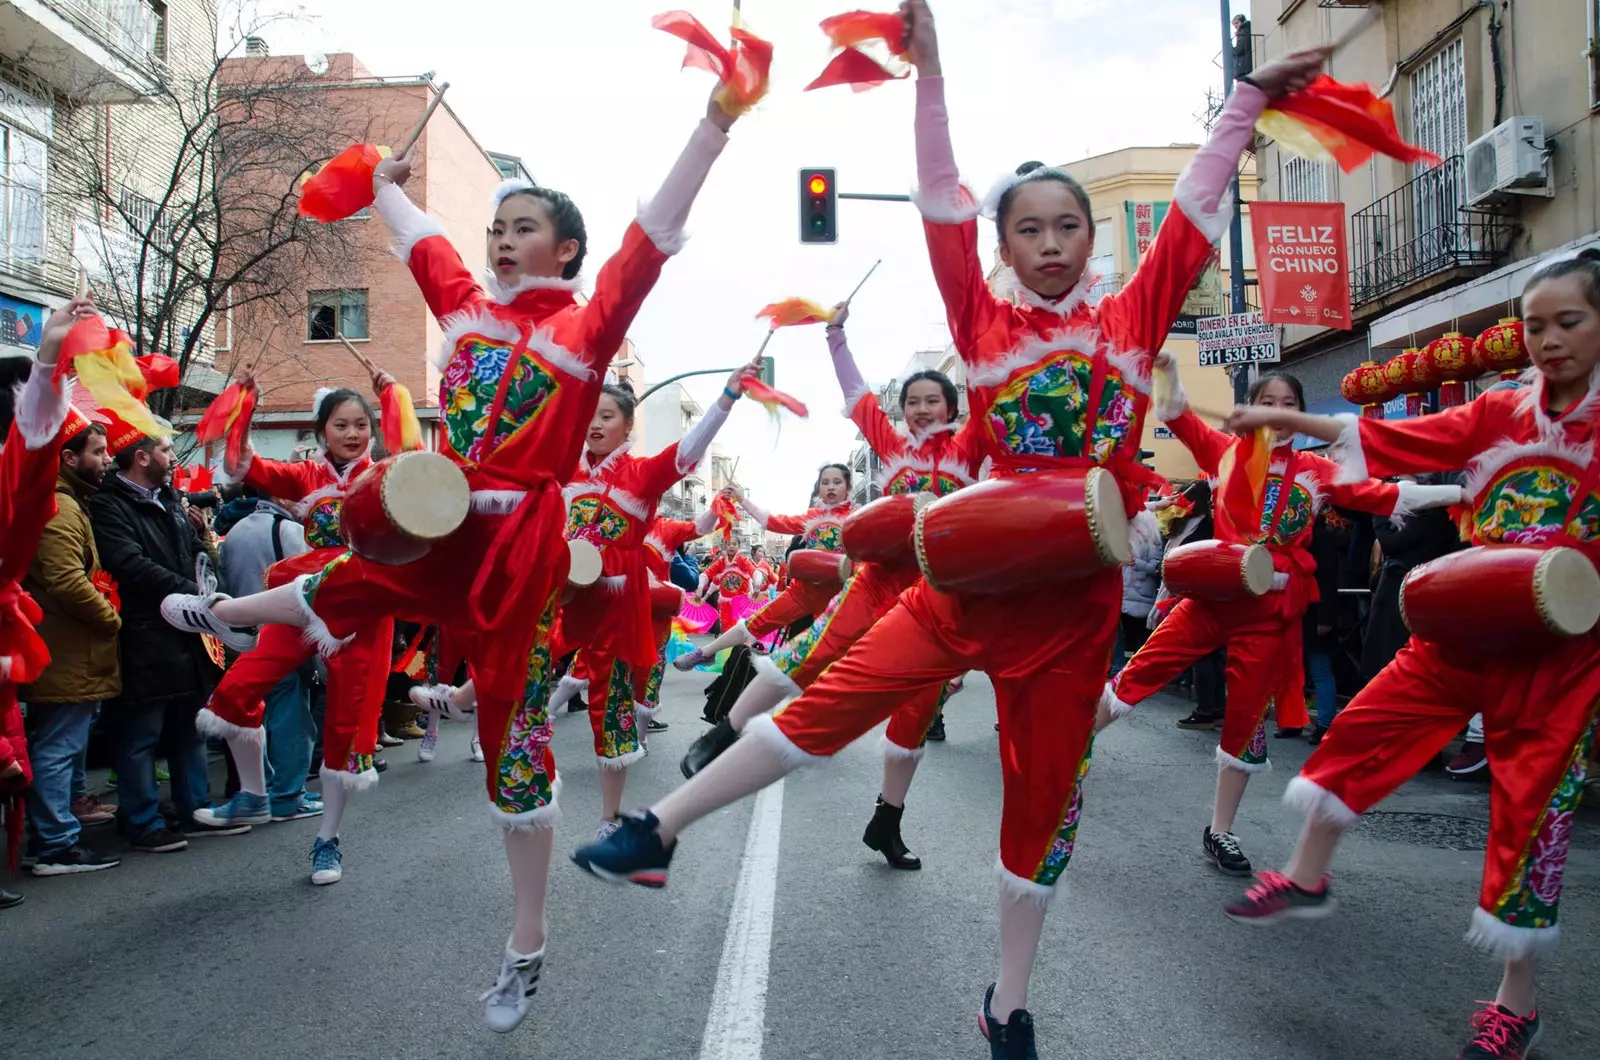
point(357, 677)
point(1046, 649)
point(868, 594)
point(1256, 636)
point(1539, 719)
point(507, 652)
point(798, 601)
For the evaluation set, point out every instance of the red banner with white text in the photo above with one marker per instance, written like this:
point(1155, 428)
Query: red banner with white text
point(1302, 262)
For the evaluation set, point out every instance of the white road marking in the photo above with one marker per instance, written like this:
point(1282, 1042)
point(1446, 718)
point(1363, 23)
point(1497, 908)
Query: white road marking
point(737, 1021)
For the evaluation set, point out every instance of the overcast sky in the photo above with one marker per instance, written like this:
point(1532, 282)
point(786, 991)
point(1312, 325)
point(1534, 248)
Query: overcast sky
point(594, 101)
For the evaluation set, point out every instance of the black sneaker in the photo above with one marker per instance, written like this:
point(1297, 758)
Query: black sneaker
point(633, 853)
point(1011, 1040)
point(192, 829)
point(1197, 720)
point(160, 841)
point(708, 747)
point(655, 726)
point(1501, 1034)
point(1222, 850)
point(1317, 733)
point(379, 763)
point(936, 730)
point(76, 858)
point(9, 898)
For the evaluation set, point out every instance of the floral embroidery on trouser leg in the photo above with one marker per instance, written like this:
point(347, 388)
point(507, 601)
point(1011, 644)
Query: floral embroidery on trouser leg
point(524, 779)
point(618, 734)
point(1055, 860)
point(792, 656)
point(652, 688)
point(308, 590)
point(1256, 753)
point(1531, 898)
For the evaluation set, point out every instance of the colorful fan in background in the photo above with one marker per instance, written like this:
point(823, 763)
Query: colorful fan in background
point(1333, 122)
point(102, 358)
point(853, 66)
point(694, 618)
point(794, 312)
point(229, 417)
point(744, 69)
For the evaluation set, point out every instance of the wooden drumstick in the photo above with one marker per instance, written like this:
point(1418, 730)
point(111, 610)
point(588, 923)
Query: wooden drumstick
point(371, 368)
point(438, 97)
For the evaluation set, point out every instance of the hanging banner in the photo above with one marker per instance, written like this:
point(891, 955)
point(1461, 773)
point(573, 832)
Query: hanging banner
point(1205, 297)
point(1302, 262)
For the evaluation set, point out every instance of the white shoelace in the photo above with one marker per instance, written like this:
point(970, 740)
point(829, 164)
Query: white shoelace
point(512, 987)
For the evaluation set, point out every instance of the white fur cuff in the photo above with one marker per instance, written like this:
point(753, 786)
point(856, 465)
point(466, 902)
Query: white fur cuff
point(1022, 890)
point(1318, 803)
point(208, 723)
point(1502, 940)
point(1347, 451)
point(1239, 765)
point(764, 730)
point(544, 817)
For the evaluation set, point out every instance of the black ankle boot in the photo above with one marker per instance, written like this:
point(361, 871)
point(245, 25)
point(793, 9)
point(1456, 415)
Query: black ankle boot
point(708, 747)
point(883, 835)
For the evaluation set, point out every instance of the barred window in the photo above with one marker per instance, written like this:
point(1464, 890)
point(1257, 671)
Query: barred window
point(1305, 180)
point(335, 313)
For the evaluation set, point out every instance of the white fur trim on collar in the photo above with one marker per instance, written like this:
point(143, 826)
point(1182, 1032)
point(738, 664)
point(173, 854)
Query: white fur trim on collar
point(921, 438)
point(962, 208)
point(1488, 465)
point(605, 464)
point(479, 321)
point(1131, 366)
point(1532, 400)
point(505, 294)
point(1064, 306)
point(930, 465)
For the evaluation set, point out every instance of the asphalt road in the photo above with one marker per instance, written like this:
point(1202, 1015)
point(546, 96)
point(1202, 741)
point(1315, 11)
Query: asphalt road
point(227, 951)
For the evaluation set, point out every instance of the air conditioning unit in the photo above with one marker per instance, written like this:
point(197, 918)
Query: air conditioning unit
point(1508, 161)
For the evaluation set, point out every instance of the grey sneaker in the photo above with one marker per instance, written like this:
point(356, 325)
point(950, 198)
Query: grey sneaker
point(506, 1002)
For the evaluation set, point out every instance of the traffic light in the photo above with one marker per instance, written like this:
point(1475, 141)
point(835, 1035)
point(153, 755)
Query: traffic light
point(769, 371)
point(819, 207)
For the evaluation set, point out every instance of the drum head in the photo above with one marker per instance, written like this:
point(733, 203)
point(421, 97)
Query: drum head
point(426, 495)
point(1567, 589)
point(1257, 569)
point(585, 566)
point(1107, 518)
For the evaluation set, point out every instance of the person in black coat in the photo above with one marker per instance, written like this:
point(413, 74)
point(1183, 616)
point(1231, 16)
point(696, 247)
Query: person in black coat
point(148, 543)
point(1425, 536)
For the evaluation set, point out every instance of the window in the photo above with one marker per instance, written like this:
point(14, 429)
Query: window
point(1439, 102)
point(22, 172)
point(336, 313)
point(144, 220)
point(1305, 180)
point(1592, 49)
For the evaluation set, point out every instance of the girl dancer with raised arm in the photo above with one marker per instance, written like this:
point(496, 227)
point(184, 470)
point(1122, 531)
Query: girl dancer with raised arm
point(1533, 482)
point(820, 527)
point(1260, 632)
point(934, 454)
point(356, 675)
point(523, 364)
point(1059, 387)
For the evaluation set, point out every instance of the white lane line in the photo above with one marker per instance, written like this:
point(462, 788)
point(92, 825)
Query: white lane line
point(737, 1021)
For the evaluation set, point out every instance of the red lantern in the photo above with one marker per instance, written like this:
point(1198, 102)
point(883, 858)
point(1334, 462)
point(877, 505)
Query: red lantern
point(1367, 385)
point(1407, 374)
point(1450, 364)
point(1502, 349)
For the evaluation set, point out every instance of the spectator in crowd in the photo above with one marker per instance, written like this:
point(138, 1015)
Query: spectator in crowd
point(1321, 623)
point(1244, 59)
point(685, 572)
point(80, 628)
point(267, 535)
point(1141, 582)
point(1192, 522)
point(149, 543)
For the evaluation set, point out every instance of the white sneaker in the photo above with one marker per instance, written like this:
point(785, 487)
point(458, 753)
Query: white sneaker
point(437, 698)
point(477, 748)
point(192, 614)
point(506, 1002)
point(425, 749)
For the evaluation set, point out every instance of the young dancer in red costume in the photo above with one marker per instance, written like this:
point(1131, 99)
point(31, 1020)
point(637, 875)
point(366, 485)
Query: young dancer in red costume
point(1533, 481)
point(932, 454)
point(611, 502)
point(34, 424)
point(733, 576)
point(522, 368)
point(356, 675)
point(820, 526)
point(1031, 363)
point(1260, 632)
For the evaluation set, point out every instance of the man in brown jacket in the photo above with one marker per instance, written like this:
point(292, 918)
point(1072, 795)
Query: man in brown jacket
point(80, 627)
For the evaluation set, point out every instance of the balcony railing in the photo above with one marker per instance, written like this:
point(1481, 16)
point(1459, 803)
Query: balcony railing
point(129, 27)
point(1108, 284)
point(1420, 230)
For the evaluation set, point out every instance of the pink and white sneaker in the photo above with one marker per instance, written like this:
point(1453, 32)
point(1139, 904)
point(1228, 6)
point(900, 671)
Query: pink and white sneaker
point(1275, 897)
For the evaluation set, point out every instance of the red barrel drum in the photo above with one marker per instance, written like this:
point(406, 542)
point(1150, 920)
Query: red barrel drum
point(666, 600)
point(818, 567)
point(1006, 533)
point(1216, 570)
point(1496, 598)
point(881, 532)
point(399, 507)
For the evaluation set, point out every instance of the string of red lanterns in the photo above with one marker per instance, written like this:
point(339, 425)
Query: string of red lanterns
point(1446, 364)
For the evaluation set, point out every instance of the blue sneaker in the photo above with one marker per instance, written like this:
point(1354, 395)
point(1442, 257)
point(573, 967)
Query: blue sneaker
point(309, 805)
point(633, 853)
point(243, 808)
point(327, 864)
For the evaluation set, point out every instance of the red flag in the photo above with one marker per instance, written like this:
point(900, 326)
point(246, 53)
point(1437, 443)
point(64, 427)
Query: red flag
point(343, 186)
point(772, 399)
point(744, 68)
point(727, 515)
point(857, 69)
point(859, 27)
point(160, 372)
point(1345, 123)
point(229, 416)
point(792, 312)
point(102, 358)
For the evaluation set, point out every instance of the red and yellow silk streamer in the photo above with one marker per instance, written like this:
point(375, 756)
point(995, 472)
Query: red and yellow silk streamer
point(744, 68)
point(1329, 121)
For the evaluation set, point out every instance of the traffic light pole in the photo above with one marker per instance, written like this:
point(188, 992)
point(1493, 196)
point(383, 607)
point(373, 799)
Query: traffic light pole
point(1241, 376)
point(872, 198)
point(685, 375)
